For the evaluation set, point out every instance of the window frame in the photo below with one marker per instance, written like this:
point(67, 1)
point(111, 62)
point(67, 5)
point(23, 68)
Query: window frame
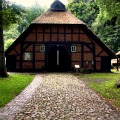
point(42, 48)
point(27, 56)
point(73, 48)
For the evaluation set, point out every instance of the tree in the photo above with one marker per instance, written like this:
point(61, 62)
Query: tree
point(8, 15)
point(86, 10)
point(12, 14)
point(3, 71)
point(106, 25)
point(11, 33)
point(30, 14)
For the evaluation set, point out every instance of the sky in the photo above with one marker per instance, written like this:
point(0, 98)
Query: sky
point(28, 3)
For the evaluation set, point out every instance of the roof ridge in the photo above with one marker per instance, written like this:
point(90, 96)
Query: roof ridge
point(57, 6)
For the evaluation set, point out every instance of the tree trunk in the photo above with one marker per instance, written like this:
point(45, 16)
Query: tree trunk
point(3, 71)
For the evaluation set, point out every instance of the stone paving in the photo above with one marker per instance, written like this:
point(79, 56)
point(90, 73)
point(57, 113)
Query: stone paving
point(9, 111)
point(62, 97)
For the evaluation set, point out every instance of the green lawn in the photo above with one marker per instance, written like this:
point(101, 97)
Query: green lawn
point(103, 83)
point(12, 86)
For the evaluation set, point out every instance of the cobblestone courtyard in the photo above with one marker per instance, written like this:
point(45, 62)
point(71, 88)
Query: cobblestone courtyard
point(58, 97)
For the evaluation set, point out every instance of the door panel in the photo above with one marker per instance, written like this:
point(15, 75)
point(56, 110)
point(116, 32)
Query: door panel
point(11, 62)
point(105, 64)
point(58, 59)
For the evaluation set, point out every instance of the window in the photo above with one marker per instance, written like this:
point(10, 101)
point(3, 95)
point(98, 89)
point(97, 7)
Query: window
point(27, 56)
point(73, 48)
point(42, 48)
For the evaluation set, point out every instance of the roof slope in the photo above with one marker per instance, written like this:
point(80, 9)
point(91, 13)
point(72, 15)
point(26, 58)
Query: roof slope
point(57, 17)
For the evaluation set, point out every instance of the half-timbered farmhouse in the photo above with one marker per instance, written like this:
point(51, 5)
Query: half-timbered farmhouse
point(57, 41)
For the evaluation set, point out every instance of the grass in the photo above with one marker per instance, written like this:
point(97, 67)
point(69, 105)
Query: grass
point(103, 83)
point(12, 86)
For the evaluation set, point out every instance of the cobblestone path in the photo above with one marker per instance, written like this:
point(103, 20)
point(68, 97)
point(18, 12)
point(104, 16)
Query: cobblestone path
point(64, 97)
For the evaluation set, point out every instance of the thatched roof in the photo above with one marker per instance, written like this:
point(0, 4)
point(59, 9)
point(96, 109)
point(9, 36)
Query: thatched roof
point(51, 17)
point(57, 14)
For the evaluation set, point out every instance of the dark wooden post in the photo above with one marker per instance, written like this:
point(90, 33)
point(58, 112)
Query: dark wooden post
point(117, 64)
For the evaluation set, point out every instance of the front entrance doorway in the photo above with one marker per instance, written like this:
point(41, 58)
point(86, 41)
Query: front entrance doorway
point(58, 59)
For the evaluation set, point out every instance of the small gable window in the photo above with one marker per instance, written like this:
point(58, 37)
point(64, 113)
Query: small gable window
point(73, 48)
point(42, 48)
point(27, 56)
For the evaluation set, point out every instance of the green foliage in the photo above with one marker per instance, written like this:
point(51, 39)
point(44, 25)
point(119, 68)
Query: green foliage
point(107, 23)
point(85, 10)
point(12, 86)
point(8, 43)
point(30, 14)
point(110, 35)
point(104, 84)
point(11, 14)
point(109, 9)
point(11, 33)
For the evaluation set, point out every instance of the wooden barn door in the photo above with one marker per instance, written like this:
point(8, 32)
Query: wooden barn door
point(105, 64)
point(11, 63)
point(52, 58)
point(58, 59)
point(64, 59)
